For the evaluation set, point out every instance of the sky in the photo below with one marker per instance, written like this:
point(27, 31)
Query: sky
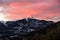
point(39, 9)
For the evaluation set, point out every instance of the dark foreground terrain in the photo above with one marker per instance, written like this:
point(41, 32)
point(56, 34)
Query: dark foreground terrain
point(30, 29)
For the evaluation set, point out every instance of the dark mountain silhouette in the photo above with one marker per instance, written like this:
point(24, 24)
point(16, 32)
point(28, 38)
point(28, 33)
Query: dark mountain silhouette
point(30, 29)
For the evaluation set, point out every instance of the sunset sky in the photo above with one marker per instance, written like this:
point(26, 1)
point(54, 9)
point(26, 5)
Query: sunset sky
point(39, 9)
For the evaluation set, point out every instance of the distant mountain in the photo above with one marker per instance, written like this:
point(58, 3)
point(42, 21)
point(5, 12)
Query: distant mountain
point(25, 27)
point(55, 19)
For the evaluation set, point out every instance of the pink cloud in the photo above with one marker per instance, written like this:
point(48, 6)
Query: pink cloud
point(42, 9)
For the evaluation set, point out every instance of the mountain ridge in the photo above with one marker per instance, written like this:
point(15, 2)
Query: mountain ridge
point(25, 27)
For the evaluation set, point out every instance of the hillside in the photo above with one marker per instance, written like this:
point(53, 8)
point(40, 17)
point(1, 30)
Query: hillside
point(29, 29)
